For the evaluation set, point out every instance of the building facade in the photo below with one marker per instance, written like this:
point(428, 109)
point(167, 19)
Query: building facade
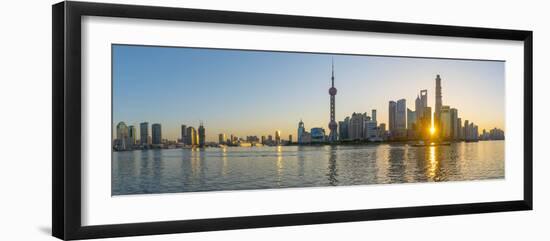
point(202, 135)
point(156, 134)
point(144, 133)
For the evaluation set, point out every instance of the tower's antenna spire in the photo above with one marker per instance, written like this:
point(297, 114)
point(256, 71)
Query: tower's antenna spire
point(332, 78)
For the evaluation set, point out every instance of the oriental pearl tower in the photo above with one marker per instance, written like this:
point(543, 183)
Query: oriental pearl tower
point(333, 126)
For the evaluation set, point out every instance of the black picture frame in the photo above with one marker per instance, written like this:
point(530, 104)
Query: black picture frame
point(66, 127)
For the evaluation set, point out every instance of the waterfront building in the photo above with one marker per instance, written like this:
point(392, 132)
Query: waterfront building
point(466, 135)
point(252, 139)
point(411, 119)
point(183, 133)
point(277, 137)
point(382, 130)
point(221, 138)
point(202, 135)
point(425, 124)
point(460, 130)
point(263, 140)
point(122, 136)
point(306, 138)
point(454, 124)
point(411, 124)
point(356, 126)
point(373, 115)
point(132, 136)
point(270, 139)
point(400, 128)
point(438, 102)
point(343, 129)
point(333, 126)
point(420, 103)
point(496, 134)
point(156, 134)
point(289, 139)
point(318, 134)
point(391, 116)
point(445, 122)
point(301, 130)
point(371, 130)
point(144, 133)
point(191, 135)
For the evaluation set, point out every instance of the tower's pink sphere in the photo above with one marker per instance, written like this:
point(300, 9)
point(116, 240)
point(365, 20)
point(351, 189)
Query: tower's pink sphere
point(332, 91)
point(332, 125)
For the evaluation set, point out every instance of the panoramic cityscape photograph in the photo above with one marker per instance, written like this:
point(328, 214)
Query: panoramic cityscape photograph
point(200, 119)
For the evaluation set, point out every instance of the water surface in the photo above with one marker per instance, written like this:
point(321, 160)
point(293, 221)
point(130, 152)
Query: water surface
point(241, 168)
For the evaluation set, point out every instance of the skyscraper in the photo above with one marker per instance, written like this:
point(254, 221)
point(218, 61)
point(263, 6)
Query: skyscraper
point(421, 103)
point(183, 133)
point(202, 135)
point(290, 139)
point(411, 119)
point(391, 116)
point(454, 124)
point(401, 117)
point(438, 103)
point(191, 134)
point(333, 126)
point(121, 136)
point(156, 133)
point(466, 130)
point(373, 115)
point(278, 137)
point(301, 130)
point(132, 135)
point(343, 129)
point(445, 122)
point(221, 138)
point(143, 133)
point(356, 126)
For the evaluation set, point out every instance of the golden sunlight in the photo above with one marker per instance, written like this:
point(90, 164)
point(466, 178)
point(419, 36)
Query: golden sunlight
point(432, 130)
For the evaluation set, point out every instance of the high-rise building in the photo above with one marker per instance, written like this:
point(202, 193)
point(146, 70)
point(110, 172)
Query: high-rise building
point(425, 124)
point(290, 139)
point(391, 116)
point(221, 138)
point(333, 126)
point(183, 133)
point(373, 115)
point(445, 122)
point(202, 135)
point(317, 134)
point(421, 103)
point(132, 135)
point(466, 135)
point(343, 129)
point(191, 135)
point(356, 126)
point(301, 130)
point(371, 129)
point(401, 118)
point(411, 119)
point(278, 137)
point(144, 133)
point(156, 133)
point(263, 140)
point(454, 124)
point(122, 136)
point(460, 131)
point(438, 102)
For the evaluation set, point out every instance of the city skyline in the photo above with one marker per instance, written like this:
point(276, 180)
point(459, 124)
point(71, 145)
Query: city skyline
point(295, 88)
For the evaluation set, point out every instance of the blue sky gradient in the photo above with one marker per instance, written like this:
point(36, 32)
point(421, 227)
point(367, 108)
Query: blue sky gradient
point(258, 92)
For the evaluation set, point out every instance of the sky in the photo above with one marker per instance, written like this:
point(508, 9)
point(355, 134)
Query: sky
point(244, 92)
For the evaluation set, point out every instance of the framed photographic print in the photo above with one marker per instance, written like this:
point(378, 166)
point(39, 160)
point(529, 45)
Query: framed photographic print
point(170, 120)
